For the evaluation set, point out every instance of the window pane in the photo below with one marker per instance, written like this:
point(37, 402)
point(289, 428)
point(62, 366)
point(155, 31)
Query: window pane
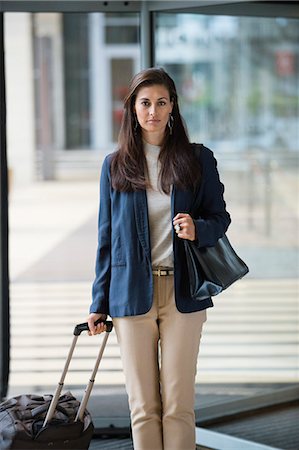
point(122, 29)
point(238, 81)
point(65, 103)
point(76, 80)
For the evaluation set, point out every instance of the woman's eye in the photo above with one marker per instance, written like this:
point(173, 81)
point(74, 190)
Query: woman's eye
point(162, 103)
point(144, 103)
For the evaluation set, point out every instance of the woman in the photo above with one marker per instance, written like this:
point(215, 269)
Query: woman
point(148, 191)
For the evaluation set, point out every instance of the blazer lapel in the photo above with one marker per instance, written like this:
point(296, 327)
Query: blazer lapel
point(142, 223)
point(181, 201)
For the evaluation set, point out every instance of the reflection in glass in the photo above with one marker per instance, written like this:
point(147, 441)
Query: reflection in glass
point(75, 58)
point(64, 108)
point(238, 80)
point(238, 77)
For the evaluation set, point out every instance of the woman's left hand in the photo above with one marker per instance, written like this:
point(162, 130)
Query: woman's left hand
point(186, 229)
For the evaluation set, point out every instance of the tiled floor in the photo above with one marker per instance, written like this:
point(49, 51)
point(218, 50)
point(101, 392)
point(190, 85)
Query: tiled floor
point(276, 427)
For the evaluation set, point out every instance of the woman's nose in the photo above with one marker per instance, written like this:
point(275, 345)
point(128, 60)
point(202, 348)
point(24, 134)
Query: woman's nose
point(152, 110)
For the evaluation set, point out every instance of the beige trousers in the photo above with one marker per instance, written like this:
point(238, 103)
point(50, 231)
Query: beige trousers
point(160, 379)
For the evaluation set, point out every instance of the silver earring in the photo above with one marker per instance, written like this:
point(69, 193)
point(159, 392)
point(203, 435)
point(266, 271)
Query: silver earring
point(170, 123)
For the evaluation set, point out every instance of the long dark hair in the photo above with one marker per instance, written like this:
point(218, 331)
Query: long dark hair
point(179, 165)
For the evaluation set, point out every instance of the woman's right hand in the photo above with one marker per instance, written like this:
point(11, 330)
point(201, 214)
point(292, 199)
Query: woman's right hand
point(100, 327)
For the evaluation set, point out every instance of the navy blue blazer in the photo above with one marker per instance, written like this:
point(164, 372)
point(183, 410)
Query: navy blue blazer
point(124, 282)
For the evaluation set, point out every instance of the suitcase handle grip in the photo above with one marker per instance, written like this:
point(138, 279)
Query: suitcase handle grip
point(84, 327)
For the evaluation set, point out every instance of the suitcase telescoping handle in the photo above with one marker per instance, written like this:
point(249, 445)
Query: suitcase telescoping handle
point(84, 327)
point(77, 331)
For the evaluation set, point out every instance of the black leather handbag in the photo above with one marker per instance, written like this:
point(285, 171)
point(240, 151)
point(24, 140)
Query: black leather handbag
point(212, 269)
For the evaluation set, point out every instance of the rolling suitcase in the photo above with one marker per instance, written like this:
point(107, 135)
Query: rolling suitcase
point(50, 422)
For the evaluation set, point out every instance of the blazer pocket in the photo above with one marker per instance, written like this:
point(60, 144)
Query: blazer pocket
point(117, 256)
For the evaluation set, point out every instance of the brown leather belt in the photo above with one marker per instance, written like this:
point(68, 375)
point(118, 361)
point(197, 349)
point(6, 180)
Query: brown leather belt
point(163, 271)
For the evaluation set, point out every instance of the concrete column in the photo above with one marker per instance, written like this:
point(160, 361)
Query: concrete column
point(19, 97)
point(98, 82)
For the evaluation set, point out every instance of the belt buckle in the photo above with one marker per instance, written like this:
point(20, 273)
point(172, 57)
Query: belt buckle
point(160, 272)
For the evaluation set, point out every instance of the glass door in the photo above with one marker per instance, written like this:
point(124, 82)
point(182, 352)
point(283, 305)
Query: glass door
point(238, 83)
point(63, 96)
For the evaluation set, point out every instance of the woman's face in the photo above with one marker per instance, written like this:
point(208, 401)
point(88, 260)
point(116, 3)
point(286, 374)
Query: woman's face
point(152, 108)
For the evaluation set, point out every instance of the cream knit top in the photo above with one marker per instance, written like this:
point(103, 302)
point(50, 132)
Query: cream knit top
point(159, 212)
